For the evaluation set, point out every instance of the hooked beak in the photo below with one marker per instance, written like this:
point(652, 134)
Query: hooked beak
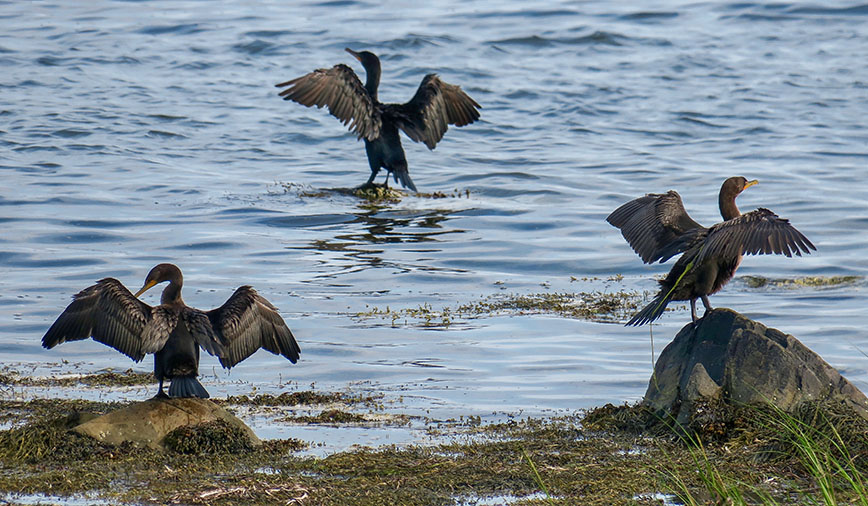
point(749, 184)
point(150, 284)
point(355, 54)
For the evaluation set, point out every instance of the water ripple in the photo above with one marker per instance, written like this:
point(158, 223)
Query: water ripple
point(180, 29)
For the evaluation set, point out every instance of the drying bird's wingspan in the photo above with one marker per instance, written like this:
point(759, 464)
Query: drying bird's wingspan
point(656, 226)
point(339, 89)
point(109, 313)
point(759, 232)
point(247, 322)
point(435, 106)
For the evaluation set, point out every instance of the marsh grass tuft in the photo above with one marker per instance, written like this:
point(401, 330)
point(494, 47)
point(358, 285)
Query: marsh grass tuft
point(825, 442)
point(537, 478)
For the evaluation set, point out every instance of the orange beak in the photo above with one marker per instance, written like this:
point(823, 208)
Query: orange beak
point(150, 284)
point(355, 54)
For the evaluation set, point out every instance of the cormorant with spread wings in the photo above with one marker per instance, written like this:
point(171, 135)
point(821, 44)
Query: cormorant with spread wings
point(425, 118)
point(657, 227)
point(173, 331)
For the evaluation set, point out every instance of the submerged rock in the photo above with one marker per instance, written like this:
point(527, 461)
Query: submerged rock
point(147, 423)
point(729, 359)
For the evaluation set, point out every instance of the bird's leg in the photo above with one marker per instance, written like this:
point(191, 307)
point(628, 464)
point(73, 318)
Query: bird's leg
point(160, 393)
point(370, 182)
point(693, 317)
point(707, 304)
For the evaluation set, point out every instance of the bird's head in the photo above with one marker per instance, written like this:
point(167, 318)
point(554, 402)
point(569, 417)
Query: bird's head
point(160, 273)
point(730, 189)
point(736, 185)
point(368, 59)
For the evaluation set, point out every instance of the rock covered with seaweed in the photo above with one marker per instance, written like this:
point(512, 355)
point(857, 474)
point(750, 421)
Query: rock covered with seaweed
point(726, 359)
point(153, 423)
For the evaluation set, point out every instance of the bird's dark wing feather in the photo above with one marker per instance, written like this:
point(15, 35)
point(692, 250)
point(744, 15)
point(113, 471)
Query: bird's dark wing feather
point(247, 322)
point(759, 232)
point(199, 326)
point(656, 226)
point(435, 106)
point(339, 89)
point(109, 313)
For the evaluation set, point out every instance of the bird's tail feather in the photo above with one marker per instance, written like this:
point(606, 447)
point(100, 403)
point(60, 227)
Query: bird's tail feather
point(652, 311)
point(403, 176)
point(187, 386)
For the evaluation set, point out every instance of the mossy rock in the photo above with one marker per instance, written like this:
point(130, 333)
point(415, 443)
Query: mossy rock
point(148, 423)
point(214, 437)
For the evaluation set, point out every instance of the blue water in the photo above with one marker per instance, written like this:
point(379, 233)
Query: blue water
point(133, 133)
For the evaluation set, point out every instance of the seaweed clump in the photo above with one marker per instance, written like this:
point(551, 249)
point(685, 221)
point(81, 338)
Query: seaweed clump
point(331, 416)
point(100, 379)
point(592, 306)
point(635, 419)
point(46, 437)
point(302, 398)
point(802, 282)
point(208, 438)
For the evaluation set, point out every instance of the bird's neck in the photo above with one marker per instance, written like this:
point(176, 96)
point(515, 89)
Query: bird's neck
point(372, 82)
point(171, 294)
point(728, 209)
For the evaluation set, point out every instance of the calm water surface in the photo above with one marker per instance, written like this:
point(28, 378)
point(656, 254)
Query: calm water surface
point(133, 133)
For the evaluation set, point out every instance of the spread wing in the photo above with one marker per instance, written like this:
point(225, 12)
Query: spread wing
point(339, 89)
point(247, 322)
point(435, 106)
point(199, 326)
point(656, 226)
point(759, 232)
point(109, 313)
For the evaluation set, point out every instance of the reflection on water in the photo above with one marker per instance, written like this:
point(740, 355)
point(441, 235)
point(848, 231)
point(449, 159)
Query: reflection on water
point(380, 225)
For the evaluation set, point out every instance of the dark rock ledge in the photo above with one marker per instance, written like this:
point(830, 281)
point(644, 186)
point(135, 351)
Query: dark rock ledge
point(729, 359)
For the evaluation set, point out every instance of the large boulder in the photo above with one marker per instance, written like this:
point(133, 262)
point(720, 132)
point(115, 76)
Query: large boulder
point(727, 358)
point(147, 423)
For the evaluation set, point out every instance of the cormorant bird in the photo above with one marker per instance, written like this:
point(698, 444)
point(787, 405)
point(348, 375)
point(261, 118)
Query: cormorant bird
point(173, 331)
point(425, 118)
point(657, 228)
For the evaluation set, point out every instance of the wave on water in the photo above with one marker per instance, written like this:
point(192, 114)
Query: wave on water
point(180, 29)
point(600, 38)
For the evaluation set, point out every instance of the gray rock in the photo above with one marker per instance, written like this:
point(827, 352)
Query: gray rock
point(147, 423)
point(727, 357)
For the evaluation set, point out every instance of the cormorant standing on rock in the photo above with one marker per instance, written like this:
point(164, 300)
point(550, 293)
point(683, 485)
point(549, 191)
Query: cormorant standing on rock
point(658, 227)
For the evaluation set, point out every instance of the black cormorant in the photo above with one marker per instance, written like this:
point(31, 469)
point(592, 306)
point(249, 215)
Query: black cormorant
point(657, 227)
point(173, 331)
point(425, 118)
